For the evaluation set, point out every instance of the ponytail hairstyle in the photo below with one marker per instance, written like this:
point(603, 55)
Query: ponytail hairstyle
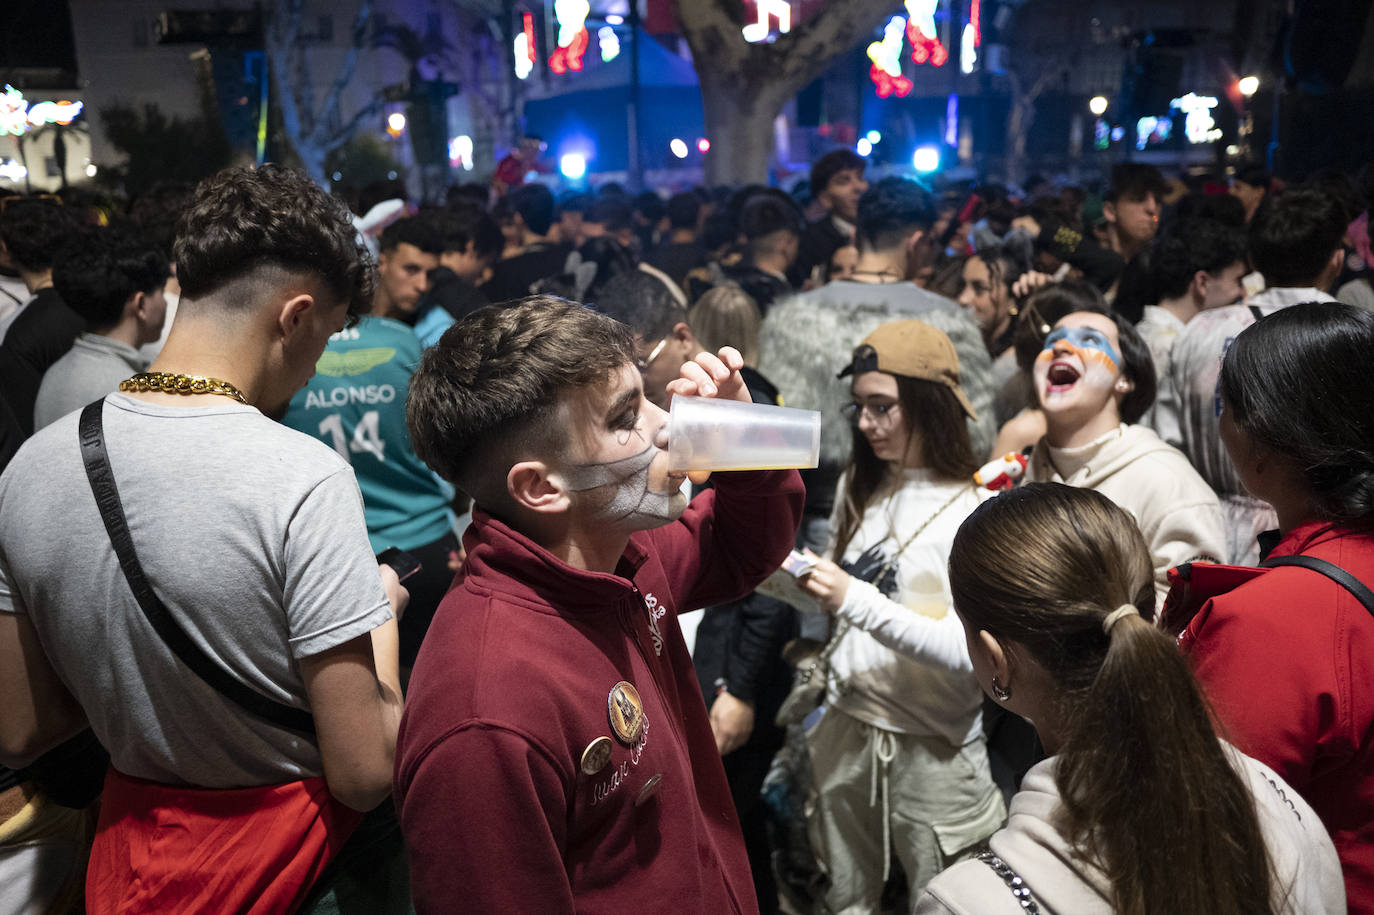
point(1149, 795)
point(1298, 382)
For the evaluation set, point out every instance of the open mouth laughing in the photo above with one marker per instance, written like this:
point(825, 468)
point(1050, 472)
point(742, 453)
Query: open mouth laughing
point(1061, 377)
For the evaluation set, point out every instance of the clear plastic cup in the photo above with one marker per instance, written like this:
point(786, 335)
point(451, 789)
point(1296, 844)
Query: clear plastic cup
point(709, 434)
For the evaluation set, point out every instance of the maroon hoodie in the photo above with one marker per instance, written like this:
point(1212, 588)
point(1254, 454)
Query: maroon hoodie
point(512, 687)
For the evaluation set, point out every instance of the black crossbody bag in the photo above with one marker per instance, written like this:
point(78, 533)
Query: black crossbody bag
point(93, 454)
point(1332, 571)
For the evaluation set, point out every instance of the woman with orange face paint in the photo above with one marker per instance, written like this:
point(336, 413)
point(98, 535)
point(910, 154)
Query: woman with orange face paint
point(1094, 379)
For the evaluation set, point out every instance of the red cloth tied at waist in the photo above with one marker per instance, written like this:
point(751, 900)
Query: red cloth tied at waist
point(161, 848)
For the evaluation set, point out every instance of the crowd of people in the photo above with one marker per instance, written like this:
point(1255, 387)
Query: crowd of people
point(342, 566)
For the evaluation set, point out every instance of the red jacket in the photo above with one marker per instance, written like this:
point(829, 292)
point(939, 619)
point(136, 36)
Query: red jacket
point(1287, 661)
point(512, 685)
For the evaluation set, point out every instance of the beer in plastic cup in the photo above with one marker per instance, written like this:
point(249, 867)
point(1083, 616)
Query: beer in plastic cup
point(709, 434)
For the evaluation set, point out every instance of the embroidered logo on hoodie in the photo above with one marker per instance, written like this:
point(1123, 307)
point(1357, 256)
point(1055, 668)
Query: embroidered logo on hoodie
point(655, 614)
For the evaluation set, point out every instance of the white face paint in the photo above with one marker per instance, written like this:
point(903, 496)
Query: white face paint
point(629, 504)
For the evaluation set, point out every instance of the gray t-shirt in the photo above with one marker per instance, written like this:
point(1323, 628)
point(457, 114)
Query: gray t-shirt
point(251, 533)
point(93, 367)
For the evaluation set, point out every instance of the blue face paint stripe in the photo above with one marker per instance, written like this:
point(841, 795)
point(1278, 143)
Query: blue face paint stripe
point(1084, 338)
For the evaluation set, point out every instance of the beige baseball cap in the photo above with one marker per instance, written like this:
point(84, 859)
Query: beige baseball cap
point(913, 349)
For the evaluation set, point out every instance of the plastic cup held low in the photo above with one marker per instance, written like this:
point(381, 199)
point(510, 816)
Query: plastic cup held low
point(709, 434)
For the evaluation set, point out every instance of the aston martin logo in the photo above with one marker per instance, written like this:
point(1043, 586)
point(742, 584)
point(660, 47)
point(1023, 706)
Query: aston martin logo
point(354, 362)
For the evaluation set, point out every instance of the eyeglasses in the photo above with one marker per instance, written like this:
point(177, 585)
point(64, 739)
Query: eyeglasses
point(880, 413)
point(643, 364)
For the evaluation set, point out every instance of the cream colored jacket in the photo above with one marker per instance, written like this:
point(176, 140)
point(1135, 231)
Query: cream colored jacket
point(1306, 869)
point(1177, 511)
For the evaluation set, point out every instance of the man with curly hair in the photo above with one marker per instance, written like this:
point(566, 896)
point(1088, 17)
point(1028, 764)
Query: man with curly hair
point(242, 561)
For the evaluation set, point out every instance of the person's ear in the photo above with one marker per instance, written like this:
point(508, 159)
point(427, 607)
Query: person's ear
point(294, 314)
point(1109, 211)
point(136, 305)
point(535, 487)
point(999, 660)
point(1336, 264)
point(914, 240)
point(1201, 279)
point(1123, 385)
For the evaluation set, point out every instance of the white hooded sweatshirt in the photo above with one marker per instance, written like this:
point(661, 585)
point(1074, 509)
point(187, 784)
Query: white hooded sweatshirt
point(1177, 511)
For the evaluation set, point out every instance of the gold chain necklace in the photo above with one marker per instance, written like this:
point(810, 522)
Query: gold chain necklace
point(170, 383)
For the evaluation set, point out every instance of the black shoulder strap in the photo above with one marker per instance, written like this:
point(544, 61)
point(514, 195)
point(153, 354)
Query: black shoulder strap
point(1256, 311)
point(1330, 570)
point(101, 477)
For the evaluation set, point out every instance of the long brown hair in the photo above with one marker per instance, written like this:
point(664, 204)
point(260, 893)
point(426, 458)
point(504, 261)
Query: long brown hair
point(937, 422)
point(1148, 793)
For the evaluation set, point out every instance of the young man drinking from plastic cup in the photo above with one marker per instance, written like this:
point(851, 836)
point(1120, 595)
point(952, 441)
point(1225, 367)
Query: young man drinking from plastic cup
point(556, 754)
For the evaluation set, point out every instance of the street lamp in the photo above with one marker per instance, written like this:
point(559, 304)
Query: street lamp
point(1098, 105)
point(1248, 85)
point(395, 123)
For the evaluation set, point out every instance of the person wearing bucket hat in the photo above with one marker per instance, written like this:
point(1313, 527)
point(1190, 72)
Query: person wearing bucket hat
point(898, 756)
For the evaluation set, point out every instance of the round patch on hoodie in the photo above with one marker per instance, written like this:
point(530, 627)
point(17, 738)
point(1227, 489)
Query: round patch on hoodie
point(626, 713)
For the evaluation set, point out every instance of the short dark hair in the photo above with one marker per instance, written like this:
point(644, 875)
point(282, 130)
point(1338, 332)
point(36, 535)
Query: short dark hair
point(34, 229)
point(575, 202)
point(244, 219)
point(649, 205)
point(1349, 196)
point(1190, 246)
point(684, 209)
point(471, 192)
point(1133, 181)
point(101, 268)
point(766, 213)
point(534, 203)
point(484, 396)
point(612, 211)
point(1223, 208)
point(1298, 382)
point(156, 212)
point(379, 192)
point(642, 303)
point(421, 230)
point(1293, 237)
point(891, 210)
point(718, 231)
point(831, 164)
point(461, 225)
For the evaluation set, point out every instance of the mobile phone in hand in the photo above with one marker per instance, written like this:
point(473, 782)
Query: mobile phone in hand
point(401, 562)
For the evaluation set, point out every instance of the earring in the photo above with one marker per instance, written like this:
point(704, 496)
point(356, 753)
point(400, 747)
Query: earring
point(999, 692)
point(1014, 311)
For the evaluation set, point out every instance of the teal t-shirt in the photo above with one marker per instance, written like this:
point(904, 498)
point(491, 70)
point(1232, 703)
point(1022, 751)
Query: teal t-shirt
point(432, 325)
point(356, 404)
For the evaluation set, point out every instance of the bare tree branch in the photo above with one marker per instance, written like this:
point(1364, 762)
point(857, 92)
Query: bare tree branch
point(345, 133)
point(361, 23)
point(744, 86)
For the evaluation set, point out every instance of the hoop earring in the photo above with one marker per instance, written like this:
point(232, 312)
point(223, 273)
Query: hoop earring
point(999, 692)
